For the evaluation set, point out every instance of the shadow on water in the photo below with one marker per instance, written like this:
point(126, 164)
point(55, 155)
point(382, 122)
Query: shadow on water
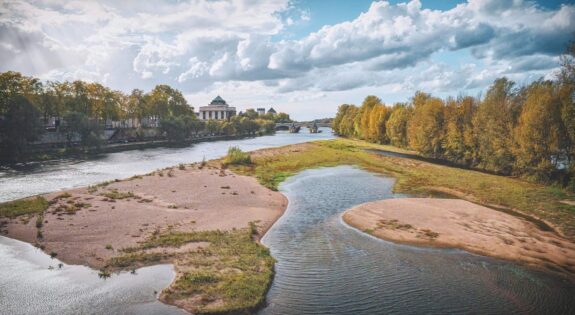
point(326, 267)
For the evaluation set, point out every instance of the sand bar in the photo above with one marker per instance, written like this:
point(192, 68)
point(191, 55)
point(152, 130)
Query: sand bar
point(191, 199)
point(455, 223)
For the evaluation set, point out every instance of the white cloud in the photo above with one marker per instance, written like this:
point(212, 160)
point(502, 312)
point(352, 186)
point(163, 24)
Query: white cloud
point(203, 46)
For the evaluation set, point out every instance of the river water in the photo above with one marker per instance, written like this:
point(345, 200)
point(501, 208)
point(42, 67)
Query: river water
point(326, 267)
point(42, 177)
point(32, 283)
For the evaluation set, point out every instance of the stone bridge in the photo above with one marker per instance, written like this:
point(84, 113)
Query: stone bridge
point(304, 124)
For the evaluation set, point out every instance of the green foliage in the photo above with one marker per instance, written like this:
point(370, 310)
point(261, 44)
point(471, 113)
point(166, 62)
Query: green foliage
point(237, 157)
point(233, 268)
point(19, 207)
point(78, 123)
point(19, 124)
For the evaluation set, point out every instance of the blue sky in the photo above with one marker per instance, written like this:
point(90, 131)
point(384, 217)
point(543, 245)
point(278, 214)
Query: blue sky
point(304, 57)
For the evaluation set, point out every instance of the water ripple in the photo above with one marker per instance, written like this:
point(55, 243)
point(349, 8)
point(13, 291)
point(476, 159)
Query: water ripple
point(326, 267)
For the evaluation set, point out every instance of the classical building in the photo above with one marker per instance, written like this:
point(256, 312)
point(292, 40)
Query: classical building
point(218, 109)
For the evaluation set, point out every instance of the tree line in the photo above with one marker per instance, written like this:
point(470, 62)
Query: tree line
point(82, 110)
point(527, 131)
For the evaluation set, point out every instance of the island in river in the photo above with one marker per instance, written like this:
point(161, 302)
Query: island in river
point(455, 223)
point(206, 219)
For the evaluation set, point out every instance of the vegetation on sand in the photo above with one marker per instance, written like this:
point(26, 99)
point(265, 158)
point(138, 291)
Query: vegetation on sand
point(237, 157)
point(19, 207)
point(420, 178)
point(230, 275)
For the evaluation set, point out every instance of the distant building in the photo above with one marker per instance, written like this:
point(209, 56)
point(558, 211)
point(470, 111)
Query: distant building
point(261, 111)
point(272, 111)
point(218, 109)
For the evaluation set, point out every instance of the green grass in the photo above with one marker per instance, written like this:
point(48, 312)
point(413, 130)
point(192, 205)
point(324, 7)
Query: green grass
point(115, 194)
point(20, 207)
point(233, 269)
point(237, 157)
point(420, 179)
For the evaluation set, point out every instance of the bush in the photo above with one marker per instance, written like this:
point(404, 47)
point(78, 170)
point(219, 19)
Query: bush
point(237, 156)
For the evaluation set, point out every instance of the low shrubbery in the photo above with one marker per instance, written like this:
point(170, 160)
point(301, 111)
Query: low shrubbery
point(237, 157)
point(233, 269)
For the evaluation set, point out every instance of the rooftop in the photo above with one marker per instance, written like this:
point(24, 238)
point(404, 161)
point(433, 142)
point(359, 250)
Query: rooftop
point(218, 101)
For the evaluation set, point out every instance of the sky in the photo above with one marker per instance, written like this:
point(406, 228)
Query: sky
point(301, 57)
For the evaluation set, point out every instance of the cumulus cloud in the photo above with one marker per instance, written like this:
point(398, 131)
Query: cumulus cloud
point(197, 45)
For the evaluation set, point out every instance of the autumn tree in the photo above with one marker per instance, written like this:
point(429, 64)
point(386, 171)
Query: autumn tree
point(493, 124)
point(538, 133)
point(425, 129)
point(396, 125)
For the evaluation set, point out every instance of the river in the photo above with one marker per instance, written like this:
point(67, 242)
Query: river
point(41, 177)
point(326, 267)
point(323, 266)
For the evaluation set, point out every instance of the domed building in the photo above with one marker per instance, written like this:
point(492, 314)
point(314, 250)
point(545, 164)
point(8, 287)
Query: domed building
point(218, 109)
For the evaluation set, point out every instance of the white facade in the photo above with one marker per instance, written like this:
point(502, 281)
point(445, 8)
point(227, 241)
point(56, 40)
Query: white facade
point(218, 109)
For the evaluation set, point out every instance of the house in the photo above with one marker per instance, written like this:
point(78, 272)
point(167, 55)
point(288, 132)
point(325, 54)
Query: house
point(261, 111)
point(272, 111)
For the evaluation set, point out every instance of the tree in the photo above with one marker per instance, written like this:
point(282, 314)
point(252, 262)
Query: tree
point(212, 127)
point(79, 124)
point(566, 91)
point(492, 127)
point(538, 133)
point(396, 125)
point(175, 128)
point(425, 129)
point(282, 118)
point(458, 145)
point(19, 125)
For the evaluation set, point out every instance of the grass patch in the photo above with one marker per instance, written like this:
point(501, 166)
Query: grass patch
point(237, 157)
point(116, 194)
point(20, 207)
point(418, 178)
point(230, 275)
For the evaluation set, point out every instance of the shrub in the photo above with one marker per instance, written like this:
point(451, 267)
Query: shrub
point(237, 157)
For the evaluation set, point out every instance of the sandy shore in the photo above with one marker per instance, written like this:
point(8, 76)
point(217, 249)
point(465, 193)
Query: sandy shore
point(455, 223)
point(124, 213)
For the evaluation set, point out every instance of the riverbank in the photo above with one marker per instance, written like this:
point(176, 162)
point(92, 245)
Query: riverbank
point(203, 219)
point(45, 154)
point(544, 206)
point(549, 205)
point(455, 223)
point(220, 267)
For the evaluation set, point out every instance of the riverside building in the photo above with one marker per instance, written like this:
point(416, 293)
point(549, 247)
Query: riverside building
point(218, 109)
